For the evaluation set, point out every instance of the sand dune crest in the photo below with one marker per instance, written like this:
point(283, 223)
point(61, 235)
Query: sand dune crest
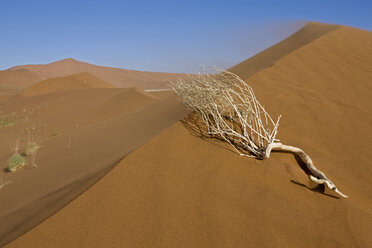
point(76, 81)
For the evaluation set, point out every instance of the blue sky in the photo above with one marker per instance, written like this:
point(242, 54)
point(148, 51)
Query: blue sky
point(171, 36)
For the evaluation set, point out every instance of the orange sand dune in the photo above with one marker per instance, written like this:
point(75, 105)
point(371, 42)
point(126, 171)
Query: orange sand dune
point(115, 76)
point(19, 77)
point(76, 81)
point(179, 190)
point(83, 134)
point(268, 57)
point(45, 114)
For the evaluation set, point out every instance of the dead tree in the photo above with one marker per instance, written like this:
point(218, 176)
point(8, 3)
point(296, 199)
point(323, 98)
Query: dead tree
point(230, 110)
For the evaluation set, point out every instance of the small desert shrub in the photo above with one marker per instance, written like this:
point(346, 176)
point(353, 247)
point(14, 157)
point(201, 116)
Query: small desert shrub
point(31, 148)
point(55, 133)
point(7, 122)
point(16, 161)
point(229, 109)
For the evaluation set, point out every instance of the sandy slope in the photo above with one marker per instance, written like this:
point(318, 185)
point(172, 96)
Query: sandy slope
point(182, 191)
point(75, 81)
point(83, 134)
point(116, 76)
point(268, 57)
point(19, 77)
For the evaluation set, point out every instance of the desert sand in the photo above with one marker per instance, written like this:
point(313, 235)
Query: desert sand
point(18, 77)
point(27, 75)
point(75, 81)
point(83, 134)
point(180, 190)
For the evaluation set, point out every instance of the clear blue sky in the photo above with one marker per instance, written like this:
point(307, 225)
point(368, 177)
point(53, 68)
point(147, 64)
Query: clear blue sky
point(172, 36)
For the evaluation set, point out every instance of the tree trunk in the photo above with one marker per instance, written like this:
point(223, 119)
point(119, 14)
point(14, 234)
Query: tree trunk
point(317, 175)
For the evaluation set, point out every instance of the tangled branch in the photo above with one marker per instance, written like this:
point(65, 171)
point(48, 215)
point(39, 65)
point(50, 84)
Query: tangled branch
point(230, 110)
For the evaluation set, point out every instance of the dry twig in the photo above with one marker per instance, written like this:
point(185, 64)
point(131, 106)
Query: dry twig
point(230, 110)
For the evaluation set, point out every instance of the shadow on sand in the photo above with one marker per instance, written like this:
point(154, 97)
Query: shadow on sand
point(197, 128)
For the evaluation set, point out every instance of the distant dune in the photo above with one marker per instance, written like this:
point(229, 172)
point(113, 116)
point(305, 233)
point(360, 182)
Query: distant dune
point(116, 76)
point(179, 190)
point(76, 81)
point(18, 77)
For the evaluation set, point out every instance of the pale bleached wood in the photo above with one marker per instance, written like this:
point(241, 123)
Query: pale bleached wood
point(231, 111)
point(317, 176)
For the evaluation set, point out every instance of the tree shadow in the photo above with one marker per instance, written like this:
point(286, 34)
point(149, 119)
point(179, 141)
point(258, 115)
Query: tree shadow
point(197, 128)
point(320, 188)
point(299, 161)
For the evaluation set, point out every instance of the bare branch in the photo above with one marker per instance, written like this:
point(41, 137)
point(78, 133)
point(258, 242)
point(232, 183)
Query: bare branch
point(230, 110)
point(225, 102)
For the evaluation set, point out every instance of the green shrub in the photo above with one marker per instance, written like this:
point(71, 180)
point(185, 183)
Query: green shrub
point(16, 161)
point(7, 123)
point(31, 148)
point(55, 133)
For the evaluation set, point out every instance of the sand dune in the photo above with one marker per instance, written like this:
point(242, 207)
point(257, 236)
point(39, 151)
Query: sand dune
point(268, 57)
point(179, 190)
point(76, 81)
point(18, 77)
point(116, 76)
point(163, 196)
point(80, 142)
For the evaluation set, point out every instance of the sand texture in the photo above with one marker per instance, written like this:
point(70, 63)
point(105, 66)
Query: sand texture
point(183, 190)
point(83, 134)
